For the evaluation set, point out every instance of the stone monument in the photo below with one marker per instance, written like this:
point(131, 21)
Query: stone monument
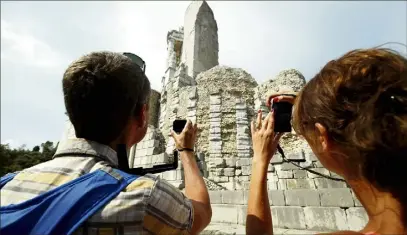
point(223, 101)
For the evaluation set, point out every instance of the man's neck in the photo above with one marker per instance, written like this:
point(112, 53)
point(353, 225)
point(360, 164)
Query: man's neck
point(383, 210)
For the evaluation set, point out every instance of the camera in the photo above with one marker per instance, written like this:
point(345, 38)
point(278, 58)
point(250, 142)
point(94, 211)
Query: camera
point(282, 115)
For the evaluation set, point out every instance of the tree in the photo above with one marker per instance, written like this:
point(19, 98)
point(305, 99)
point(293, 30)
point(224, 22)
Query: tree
point(18, 159)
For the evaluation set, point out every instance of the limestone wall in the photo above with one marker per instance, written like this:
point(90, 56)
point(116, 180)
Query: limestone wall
point(303, 209)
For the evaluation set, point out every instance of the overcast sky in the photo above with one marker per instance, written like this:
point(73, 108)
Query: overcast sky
point(40, 39)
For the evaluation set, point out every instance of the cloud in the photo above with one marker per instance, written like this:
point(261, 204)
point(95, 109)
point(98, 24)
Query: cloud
point(18, 46)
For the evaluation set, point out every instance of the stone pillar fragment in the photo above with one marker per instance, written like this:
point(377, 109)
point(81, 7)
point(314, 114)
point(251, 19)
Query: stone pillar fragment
point(215, 113)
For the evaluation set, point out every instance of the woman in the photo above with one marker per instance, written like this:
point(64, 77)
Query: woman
point(353, 114)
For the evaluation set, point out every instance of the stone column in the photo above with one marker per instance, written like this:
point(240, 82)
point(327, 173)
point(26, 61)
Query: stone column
point(243, 141)
point(215, 139)
point(192, 103)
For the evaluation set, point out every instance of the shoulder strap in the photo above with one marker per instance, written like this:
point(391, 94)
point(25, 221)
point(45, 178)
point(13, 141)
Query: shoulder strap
point(63, 209)
point(5, 179)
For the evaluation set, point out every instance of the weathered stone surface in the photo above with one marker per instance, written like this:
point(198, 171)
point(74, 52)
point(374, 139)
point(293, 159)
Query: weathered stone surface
point(296, 156)
point(276, 159)
point(225, 214)
point(243, 162)
point(288, 166)
point(325, 218)
point(231, 162)
point(300, 184)
point(288, 217)
point(356, 200)
point(233, 197)
point(326, 183)
point(246, 170)
point(302, 197)
point(357, 218)
point(215, 197)
point(272, 185)
point(300, 174)
point(229, 171)
point(285, 174)
point(319, 170)
point(276, 197)
point(340, 197)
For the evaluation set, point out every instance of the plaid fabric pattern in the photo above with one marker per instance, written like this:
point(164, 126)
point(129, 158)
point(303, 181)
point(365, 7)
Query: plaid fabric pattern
point(149, 205)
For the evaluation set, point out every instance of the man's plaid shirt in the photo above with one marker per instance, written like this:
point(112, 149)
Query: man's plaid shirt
point(149, 205)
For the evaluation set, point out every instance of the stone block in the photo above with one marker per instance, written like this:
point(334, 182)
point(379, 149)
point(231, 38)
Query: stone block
point(300, 174)
point(246, 170)
point(214, 108)
point(217, 162)
point(170, 175)
point(214, 115)
point(218, 172)
point(233, 197)
point(220, 179)
point(288, 166)
point(141, 153)
point(276, 159)
point(215, 197)
point(296, 156)
point(284, 174)
point(215, 100)
point(231, 185)
point(302, 197)
point(276, 197)
point(242, 185)
point(238, 172)
point(356, 200)
point(357, 218)
point(244, 178)
point(307, 164)
point(318, 164)
point(325, 218)
point(272, 185)
point(310, 155)
point(229, 171)
point(288, 217)
point(214, 130)
point(270, 168)
point(244, 155)
point(231, 162)
point(339, 197)
point(152, 151)
point(272, 176)
point(300, 184)
point(319, 170)
point(242, 214)
point(224, 214)
point(327, 183)
point(282, 184)
point(192, 93)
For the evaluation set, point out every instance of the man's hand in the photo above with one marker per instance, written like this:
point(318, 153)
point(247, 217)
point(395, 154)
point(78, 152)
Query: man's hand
point(186, 139)
point(264, 139)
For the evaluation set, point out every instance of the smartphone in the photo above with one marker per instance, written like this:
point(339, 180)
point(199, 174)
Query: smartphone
point(282, 116)
point(178, 125)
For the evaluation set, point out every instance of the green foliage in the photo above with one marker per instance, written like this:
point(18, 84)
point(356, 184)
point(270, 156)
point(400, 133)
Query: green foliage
point(18, 159)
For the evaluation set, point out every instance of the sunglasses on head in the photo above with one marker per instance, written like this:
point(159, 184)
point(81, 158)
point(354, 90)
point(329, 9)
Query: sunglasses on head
point(137, 60)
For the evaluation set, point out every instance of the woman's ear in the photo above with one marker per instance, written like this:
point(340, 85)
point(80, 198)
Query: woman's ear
point(322, 137)
point(144, 115)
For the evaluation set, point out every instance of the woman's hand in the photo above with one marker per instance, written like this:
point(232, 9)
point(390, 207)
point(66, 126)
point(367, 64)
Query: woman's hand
point(264, 139)
point(186, 139)
point(277, 97)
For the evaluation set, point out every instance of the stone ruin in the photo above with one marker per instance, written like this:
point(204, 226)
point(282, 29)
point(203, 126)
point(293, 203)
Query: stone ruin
point(222, 101)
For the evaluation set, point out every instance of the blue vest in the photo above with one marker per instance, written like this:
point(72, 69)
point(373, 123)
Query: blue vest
point(63, 209)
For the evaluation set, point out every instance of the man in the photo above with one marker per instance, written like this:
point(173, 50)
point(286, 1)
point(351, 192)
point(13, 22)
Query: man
point(106, 97)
